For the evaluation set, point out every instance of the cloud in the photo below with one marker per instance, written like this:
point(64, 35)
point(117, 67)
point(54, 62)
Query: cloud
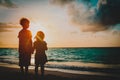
point(5, 27)
point(5, 30)
point(8, 25)
point(74, 32)
point(61, 2)
point(7, 3)
point(92, 17)
point(84, 17)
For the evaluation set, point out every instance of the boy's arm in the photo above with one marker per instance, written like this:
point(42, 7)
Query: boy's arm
point(33, 48)
point(32, 51)
point(46, 48)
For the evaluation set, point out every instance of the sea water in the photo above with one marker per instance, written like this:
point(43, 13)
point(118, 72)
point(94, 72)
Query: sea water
point(99, 60)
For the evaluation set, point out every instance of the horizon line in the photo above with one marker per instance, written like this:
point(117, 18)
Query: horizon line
point(74, 47)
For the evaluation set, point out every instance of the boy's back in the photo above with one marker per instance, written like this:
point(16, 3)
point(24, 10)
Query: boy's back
point(25, 41)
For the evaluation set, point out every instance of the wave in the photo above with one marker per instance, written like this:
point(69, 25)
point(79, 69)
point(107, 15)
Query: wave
point(79, 66)
point(76, 59)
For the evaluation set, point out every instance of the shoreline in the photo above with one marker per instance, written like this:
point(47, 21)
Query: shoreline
point(101, 71)
point(8, 71)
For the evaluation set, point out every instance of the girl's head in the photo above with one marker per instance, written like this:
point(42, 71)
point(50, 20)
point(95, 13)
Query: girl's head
point(40, 36)
point(25, 23)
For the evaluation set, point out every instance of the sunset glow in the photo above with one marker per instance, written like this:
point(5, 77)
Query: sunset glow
point(34, 27)
point(67, 25)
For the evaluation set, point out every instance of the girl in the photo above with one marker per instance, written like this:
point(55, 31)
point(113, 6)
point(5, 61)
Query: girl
point(40, 57)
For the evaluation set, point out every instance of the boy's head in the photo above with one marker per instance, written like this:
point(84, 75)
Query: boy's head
point(40, 36)
point(25, 23)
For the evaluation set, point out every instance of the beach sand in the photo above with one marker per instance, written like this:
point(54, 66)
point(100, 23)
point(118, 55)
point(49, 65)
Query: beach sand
point(11, 72)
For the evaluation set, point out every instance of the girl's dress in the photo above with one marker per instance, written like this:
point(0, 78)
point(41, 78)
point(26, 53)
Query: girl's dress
point(40, 56)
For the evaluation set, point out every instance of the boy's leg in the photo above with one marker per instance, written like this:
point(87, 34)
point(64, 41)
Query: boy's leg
point(36, 69)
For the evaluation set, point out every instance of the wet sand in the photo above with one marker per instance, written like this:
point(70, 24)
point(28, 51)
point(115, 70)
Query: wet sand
point(11, 72)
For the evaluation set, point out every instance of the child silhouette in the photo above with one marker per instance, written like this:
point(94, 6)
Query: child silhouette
point(25, 45)
point(40, 57)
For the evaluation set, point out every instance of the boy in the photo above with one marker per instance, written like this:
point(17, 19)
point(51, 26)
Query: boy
point(25, 45)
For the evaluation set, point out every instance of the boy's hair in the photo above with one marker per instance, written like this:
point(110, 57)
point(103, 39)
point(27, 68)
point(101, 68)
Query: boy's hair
point(40, 35)
point(24, 20)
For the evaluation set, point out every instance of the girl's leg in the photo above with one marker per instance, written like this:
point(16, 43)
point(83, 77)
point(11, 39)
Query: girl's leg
point(42, 70)
point(36, 69)
point(26, 69)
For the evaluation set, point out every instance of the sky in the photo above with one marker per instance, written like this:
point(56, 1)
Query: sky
point(66, 23)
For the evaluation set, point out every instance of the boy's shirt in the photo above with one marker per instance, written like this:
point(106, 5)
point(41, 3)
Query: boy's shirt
point(25, 41)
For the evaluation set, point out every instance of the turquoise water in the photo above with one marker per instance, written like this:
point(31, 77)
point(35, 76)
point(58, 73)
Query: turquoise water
point(86, 55)
point(105, 60)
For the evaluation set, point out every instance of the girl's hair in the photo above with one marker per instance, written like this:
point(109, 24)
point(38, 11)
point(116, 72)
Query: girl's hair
point(23, 21)
point(40, 36)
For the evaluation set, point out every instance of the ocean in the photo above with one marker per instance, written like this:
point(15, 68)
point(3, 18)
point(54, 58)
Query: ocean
point(101, 61)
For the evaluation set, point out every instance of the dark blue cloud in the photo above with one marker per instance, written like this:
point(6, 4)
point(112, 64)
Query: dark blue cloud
point(109, 13)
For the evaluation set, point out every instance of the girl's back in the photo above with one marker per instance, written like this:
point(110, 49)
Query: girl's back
point(40, 56)
point(40, 46)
